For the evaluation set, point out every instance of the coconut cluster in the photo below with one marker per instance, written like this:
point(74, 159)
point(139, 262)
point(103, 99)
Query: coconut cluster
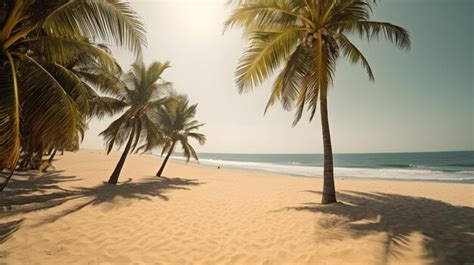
point(310, 37)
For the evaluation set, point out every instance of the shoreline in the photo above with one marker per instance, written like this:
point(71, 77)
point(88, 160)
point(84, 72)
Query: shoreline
point(257, 170)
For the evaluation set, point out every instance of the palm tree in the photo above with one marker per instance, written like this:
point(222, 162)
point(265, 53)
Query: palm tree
point(142, 93)
point(302, 40)
point(43, 98)
point(89, 73)
point(177, 124)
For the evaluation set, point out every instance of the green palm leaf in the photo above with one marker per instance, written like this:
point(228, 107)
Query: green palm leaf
point(373, 29)
point(9, 115)
point(266, 51)
point(113, 21)
point(61, 120)
point(69, 52)
point(354, 55)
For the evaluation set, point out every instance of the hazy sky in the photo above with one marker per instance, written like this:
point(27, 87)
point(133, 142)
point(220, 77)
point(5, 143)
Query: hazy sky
point(422, 100)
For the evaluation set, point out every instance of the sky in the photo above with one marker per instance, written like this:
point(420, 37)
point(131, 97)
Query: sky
point(421, 100)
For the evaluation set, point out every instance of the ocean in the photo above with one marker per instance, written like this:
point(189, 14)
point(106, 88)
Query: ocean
point(428, 166)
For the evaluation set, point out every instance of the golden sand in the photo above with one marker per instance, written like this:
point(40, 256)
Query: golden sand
point(202, 215)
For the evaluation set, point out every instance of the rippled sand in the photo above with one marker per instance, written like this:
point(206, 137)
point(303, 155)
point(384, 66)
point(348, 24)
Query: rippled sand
point(202, 215)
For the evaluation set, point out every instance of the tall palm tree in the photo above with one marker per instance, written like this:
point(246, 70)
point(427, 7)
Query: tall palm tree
point(142, 93)
point(42, 98)
point(302, 40)
point(177, 125)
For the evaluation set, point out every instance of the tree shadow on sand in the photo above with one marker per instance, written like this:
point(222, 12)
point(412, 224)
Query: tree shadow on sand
point(145, 189)
point(28, 193)
point(30, 181)
point(8, 228)
point(27, 188)
point(448, 230)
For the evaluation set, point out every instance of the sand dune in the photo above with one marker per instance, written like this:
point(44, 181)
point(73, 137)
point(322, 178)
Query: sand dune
point(202, 215)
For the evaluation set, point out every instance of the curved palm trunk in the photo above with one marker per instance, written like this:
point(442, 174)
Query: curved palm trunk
point(158, 174)
point(329, 190)
point(115, 175)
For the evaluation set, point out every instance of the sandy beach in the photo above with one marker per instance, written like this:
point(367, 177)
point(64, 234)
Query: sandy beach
point(204, 215)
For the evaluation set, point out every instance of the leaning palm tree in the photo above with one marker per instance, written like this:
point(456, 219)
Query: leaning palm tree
point(177, 125)
point(302, 40)
point(142, 93)
point(42, 98)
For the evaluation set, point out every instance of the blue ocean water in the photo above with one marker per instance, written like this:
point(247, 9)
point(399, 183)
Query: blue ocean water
point(432, 166)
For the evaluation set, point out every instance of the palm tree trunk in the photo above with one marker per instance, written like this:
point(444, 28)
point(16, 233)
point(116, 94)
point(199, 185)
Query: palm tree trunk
point(115, 175)
point(38, 158)
point(25, 160)
point(158, 174)
point(7, 179)
point(329, 190)
point(50, 160)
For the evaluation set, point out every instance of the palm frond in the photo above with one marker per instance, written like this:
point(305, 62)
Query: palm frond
point(68, 51)
point(291, 78)
point(101, 106)
point(117, 131)
point(153, 135)
point(201, 138)
point(260, 15)
point(321, 78)
point(113, 21)
point(354, 55)
point(154, 71)
point(373, 29)
point(12, 19)
point(161, 90)
point(102, 79)
point(60, 119)
point(160, 102)
point(188, 150)
point(9, 115)
point(349, 11)
point(71, 84)
point(265, 53)
point(138, 131)
point(193, 125)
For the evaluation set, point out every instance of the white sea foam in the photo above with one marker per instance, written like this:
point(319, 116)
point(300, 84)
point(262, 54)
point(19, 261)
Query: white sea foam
point(345, 172)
